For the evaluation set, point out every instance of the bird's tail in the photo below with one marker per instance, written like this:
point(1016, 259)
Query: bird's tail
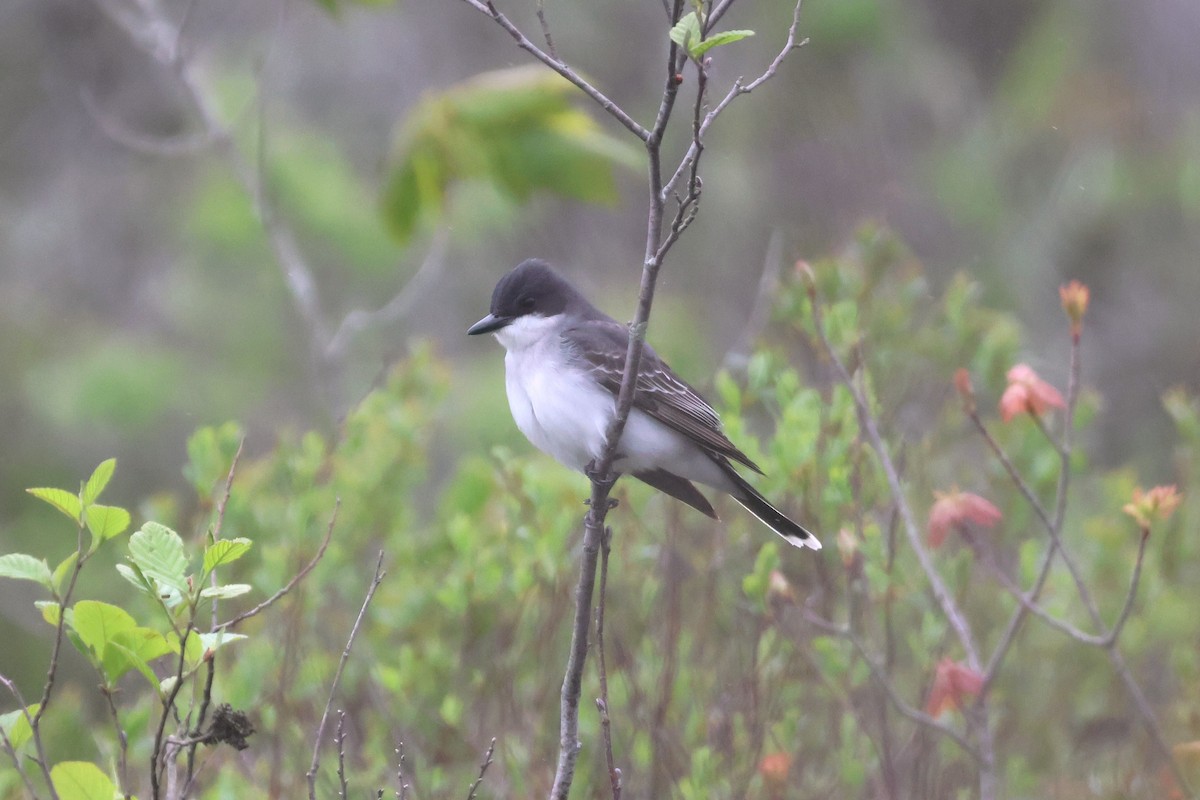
point(768, 514)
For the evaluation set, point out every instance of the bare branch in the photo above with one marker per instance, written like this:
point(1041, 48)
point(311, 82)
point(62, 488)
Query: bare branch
point(152, 145)
point(401, 785)
point(866, 420)
point(311, 775)
point(737, 90)
point(879, 674)
point(122, 744)
point(489, 8)
point(614, 774)
point(483, 765)
point(401, 304)
point(299, 576)
point(541, 15)
point(339, 738)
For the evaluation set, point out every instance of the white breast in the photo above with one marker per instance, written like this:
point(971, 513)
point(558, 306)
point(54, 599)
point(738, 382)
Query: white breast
point(558, 408)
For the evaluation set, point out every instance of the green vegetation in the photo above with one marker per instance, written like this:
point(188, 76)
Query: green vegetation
point(721, 685)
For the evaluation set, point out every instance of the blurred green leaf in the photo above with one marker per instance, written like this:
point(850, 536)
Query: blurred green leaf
point(226, 591)
point(515, 129)
point(61, 499)
point(63, 568)
point(81, 780)
point(16, 726)
point(26, 568)
point(98, 480)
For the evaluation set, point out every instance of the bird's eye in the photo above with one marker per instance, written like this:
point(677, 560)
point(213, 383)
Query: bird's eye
point(525, 303)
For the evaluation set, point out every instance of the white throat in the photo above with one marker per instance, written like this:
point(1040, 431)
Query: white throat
point(530, 331)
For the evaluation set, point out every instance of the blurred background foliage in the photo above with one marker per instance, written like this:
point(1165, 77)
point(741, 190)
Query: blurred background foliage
point(1019, 145)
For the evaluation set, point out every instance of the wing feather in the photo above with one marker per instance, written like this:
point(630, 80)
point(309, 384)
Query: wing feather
point(601, 346)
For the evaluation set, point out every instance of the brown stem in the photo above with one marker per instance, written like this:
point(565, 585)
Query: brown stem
point(311, 775)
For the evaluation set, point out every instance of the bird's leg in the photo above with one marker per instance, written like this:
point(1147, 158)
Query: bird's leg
point(606, 480)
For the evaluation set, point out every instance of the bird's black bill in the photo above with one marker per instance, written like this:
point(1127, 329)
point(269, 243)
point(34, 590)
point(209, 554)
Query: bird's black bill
point(488, 324)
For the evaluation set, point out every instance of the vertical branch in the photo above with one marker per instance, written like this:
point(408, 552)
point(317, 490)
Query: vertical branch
point(311, 775)
point(944, 599)
point(614, 774)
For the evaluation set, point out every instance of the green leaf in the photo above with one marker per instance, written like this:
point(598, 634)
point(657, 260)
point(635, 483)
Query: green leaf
point(514, 131)
point(26, 568)
point(135, 661)
point(211, 642)
point(224, 552)
point(95, 623)
point(105, 522)
point(50, 611)
point(135, 576)
point(16, 726)
point(686, 33)
point(81, 780)
point(100, 478)
point(718, 39)
point(63, 568)
point(134, 649)
point(159, 553)
point(226, 591)
point(61, 499)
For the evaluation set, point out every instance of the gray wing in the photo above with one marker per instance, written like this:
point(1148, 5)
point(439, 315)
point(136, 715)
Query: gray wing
point(601, 346)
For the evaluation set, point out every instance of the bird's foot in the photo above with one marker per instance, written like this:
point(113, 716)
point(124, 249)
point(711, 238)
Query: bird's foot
point(604, 481)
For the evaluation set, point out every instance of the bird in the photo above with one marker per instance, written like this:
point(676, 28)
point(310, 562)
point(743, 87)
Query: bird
point(563, 367)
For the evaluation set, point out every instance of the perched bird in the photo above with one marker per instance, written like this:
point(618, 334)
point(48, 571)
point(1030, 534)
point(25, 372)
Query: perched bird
point(563, 369)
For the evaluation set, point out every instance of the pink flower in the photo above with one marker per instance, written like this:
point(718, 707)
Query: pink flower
point(1158, 503)
point(952, 684)
point(1027, 393)
point(774, 769)
point(955, 509)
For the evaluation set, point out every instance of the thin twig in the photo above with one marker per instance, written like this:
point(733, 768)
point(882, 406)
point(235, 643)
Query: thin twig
point(311, 775)
point(945, 601)
point(359, 320)
point(299, 576)
point(339, 739)
point(1094, 640)
point(487, 762)
point(614, 774)
point(866, 420)
point(488, 7)
point(401, 786)
point(879, 674)
point(737, 90)
point(158, 757)
point(541, 15)
point(122, 744)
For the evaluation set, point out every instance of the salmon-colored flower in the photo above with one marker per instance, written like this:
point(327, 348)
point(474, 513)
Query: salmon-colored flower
point(955, 509)
point(1074, 297)
point(1028, 393)
point(1158, 503)
point(774, 769)
point(952, 684)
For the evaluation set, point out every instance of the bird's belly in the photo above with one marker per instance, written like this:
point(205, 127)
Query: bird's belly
point(562, 415)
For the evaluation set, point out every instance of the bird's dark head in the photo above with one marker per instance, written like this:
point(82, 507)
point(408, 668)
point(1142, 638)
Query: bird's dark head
point(532, 289)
